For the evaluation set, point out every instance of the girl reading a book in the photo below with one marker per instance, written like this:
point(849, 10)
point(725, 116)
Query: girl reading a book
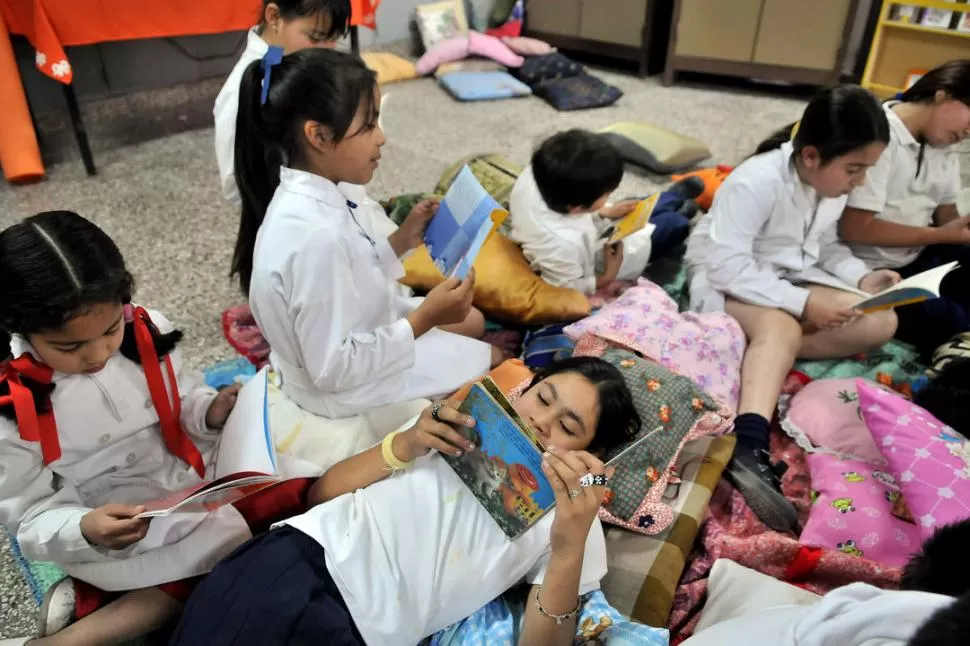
point(398, 546)
point(97, 416)
point(905, 215)
point(767, 253)
point(322, 288)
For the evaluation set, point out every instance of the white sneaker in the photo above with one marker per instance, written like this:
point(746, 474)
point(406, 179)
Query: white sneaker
point(57, 610)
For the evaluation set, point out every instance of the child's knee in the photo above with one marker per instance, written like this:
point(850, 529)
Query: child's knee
point(881, 326)
point(475, 323)
point(779, 330)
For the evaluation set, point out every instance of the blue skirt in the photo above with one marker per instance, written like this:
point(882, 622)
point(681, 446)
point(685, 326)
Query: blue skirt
point(274, 589)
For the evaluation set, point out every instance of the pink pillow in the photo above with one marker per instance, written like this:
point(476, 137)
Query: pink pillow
point(456, 49)
point(528, 46)
point(824, 417)
point(707, 348)
point(447, 51)
point(492, 47)
point(930, 461)
point(852, 512)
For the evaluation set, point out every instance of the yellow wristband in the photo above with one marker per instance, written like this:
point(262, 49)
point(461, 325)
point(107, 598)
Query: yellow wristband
point(391, 460)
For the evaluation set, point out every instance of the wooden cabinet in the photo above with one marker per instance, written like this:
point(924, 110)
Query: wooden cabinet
point(801, 41)
point(635, 30)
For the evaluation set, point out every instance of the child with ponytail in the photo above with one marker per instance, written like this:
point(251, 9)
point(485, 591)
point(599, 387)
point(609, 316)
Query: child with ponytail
point(322, 287)
point(767, 254)
point(98, 415)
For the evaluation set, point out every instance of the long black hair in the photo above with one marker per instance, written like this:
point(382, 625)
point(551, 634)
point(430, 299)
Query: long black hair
point(54, 266)
point(619, 420)
point(338, 11)
point(320, 85)
point(837, 121)
point(952, 77)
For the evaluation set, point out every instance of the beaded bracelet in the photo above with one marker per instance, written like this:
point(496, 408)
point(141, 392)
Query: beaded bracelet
point(392, 461)
point(559, 618)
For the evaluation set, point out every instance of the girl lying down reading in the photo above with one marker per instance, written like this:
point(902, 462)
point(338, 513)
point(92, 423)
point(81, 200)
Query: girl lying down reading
point(396, 547)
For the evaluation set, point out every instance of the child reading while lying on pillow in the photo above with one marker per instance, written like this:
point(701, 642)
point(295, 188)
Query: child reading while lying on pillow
point(398, 547)
point(555, 208)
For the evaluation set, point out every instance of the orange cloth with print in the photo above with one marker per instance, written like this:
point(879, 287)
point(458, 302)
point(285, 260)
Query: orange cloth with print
point(52, 25)
point(507, 375)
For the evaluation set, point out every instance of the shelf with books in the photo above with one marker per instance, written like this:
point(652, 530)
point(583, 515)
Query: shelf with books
point(903, 48)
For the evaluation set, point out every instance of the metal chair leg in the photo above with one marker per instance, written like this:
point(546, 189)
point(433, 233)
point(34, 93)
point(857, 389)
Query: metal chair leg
point(79, 133)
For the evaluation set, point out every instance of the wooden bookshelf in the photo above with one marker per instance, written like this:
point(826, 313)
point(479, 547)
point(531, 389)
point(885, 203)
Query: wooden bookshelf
point(898, 46)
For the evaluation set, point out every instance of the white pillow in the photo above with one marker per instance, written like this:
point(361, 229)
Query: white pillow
point(734, 591)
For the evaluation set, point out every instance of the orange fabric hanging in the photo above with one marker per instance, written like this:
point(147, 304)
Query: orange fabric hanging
point(52, 25)
point(19, 151)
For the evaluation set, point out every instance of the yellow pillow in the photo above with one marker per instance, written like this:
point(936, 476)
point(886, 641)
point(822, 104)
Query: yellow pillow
point(389, 67)
point(506, 288)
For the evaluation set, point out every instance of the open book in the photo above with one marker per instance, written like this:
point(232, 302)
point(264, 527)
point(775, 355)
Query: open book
point(632, 222)
point(246, 461)
point(468, 215)
point(505, 470)
point(914, 289)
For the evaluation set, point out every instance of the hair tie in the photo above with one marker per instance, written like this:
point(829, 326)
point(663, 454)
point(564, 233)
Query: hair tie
point(794, 130)
point(272, 57)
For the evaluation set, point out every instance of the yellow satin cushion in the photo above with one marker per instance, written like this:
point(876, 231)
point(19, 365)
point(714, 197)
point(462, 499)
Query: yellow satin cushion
point(389, 67)
point(506, 288)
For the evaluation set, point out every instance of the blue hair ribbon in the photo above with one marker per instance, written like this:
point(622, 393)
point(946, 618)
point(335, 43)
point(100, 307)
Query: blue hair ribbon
point(272, 57)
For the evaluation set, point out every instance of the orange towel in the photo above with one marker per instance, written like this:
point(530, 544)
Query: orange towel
point(19, 152)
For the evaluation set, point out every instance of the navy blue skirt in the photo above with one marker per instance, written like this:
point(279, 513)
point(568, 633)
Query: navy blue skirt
point(274, 589)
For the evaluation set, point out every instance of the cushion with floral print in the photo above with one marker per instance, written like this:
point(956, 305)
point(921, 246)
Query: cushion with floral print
point(673, 411)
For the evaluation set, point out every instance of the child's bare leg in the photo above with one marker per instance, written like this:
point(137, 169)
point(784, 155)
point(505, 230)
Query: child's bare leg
point(774, 338)
point(473, 326)
point(132, 615)
point(865, 333)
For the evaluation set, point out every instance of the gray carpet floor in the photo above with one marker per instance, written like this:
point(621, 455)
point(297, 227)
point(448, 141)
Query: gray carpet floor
point(157, 191)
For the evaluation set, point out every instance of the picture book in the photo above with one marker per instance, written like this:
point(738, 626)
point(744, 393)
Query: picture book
point(634, 221)
point(505, 469)
point(914, 289)
point(467, 216)
point(245, 463)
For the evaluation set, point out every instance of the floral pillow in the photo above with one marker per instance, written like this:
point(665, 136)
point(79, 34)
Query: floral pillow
point(930, 461)
point(673, 411)
point(824, 417)
point(440, 21)
point(705, 347)
point(852, 511)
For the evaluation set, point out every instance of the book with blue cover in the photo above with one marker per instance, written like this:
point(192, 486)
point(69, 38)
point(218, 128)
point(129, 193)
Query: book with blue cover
point(467, 216)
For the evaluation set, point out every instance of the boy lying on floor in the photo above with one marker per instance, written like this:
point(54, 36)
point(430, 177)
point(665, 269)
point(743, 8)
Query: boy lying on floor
point(922, 613)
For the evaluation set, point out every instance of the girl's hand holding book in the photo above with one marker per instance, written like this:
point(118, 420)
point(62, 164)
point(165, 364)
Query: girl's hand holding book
point(876, 281)
point(434, 430)
point(114, 526)
point(410, 235)
point(447, 304)
point(221, 406)
point(576, 503)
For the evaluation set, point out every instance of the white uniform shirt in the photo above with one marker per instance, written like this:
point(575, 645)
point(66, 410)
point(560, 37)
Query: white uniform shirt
point(560, 248)
point(112, 451)
point(897, 194)
point(416, 552)
point(325, 296)
point(766, 232)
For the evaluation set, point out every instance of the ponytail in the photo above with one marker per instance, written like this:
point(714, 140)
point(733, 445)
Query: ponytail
point(257, 162)
point(320, 85)
point(837, 121)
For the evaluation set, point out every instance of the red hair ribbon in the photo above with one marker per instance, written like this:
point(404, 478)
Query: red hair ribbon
point(41, 427)
point(33, 426)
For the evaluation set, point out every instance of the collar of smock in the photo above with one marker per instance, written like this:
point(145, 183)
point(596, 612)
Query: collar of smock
point(897, 126)
point(255, 43)
point(312, 186)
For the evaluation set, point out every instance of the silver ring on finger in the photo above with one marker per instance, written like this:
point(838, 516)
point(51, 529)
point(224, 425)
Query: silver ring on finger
point(435, 410)
point(593, 480)
point(574, 493)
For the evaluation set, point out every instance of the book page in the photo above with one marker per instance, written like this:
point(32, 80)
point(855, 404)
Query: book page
point(247, 444)
point(464, 211)
point(636, 220)
point(914, 289)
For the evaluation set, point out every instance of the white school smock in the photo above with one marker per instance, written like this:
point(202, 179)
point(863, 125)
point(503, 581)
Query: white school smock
point(766, 232)
point(895, 193)
point(325, 295)
point(416, 552)
point(372, 217)
point(112, 451)
point(560, 248)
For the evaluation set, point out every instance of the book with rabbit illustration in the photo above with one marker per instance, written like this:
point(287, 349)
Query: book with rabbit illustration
point(466, 218)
